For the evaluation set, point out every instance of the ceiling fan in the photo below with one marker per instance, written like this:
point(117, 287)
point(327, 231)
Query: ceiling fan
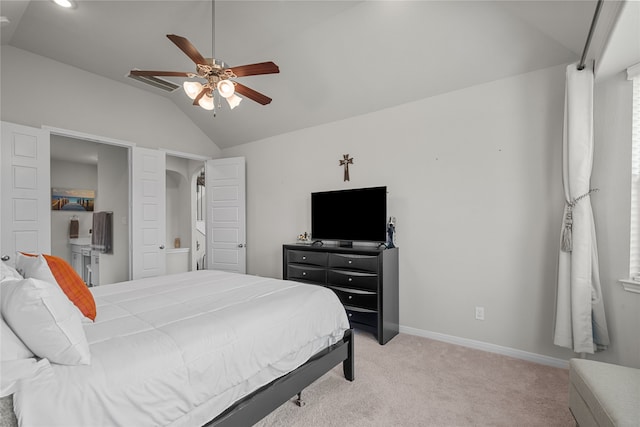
point(217, 76)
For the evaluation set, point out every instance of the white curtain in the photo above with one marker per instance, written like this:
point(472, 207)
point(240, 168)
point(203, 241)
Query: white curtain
point(580, 322)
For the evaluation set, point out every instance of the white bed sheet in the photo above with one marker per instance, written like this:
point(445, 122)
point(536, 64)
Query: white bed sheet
point(179, 349)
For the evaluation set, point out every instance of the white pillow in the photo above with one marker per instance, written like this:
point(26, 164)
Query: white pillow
point(37, 267)
point(45, 320)
point(12, 347)
point(34, 267)
point(7, 272)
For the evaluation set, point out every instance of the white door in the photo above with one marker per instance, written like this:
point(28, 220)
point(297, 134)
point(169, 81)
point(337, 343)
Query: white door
point(25, 191)
point(148, 176)
point(226, 218)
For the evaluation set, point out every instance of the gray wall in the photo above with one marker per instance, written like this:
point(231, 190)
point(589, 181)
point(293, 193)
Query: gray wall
point(474, 179)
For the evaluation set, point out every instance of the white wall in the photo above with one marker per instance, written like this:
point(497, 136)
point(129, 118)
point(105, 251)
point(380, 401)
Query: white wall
point(474, 181)
point(73, 99)
point(70, 175)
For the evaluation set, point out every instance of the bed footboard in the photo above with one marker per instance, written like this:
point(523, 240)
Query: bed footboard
point(265, 400)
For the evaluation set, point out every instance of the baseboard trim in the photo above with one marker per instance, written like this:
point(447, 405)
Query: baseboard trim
point(492, 348)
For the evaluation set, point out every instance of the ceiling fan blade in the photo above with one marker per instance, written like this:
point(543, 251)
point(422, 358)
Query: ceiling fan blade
point(255, 69)
point(189, 49)
point(200, 95)
point(252, 94)
point(159, 73)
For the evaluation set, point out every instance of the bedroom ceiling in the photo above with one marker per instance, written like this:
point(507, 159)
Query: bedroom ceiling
point(337, 59)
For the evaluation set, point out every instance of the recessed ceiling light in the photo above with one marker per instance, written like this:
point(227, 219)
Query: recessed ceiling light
point(65, 3)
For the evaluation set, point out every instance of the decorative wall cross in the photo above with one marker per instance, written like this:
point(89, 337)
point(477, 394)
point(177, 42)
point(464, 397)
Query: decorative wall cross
point(346, 161)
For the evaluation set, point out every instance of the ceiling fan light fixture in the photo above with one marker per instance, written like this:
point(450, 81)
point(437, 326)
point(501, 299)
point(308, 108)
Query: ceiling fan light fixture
point(226, 88)
point(68, 4)
point(234, 101)
point(217, 75)
point(206, 102)
point(192, 89)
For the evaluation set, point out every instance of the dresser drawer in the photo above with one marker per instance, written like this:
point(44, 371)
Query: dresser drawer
point(353, 279)
point(363, 316)
point(357, 298)
point(366, 263)
point(364, 278)
point(306, 257)
point(307, 273)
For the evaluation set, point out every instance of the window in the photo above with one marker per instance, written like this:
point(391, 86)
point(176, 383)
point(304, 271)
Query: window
point(634, 250)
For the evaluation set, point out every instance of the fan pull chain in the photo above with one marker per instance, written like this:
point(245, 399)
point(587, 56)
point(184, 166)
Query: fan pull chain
point(213, 32)
point(213, 50)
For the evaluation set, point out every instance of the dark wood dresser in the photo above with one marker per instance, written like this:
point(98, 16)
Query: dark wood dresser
point(364, 278)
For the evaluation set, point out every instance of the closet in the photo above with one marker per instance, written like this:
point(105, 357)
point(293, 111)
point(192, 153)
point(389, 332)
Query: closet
point(42, 159)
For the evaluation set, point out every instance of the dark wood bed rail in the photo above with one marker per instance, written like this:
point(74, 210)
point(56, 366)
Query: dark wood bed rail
point(260, 403)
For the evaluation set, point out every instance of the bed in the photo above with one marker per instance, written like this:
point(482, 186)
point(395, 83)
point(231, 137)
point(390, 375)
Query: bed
point(199, 348)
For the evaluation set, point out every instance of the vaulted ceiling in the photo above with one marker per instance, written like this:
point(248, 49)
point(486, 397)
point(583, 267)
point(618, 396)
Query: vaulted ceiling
point(337, 59)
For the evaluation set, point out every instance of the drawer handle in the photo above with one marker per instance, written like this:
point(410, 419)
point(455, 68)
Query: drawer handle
point(350, 279)
point(350, 296)
point(304, 273)
point(350, 314)
point(304, 257)
point(350, 261)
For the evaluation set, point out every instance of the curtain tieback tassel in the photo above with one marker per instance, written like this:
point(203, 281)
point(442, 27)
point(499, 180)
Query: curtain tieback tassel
point(567, 229)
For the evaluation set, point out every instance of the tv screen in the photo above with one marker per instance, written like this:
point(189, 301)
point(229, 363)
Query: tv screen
point(350, 215)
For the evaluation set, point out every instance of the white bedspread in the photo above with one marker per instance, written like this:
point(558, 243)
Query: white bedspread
point(166, 348)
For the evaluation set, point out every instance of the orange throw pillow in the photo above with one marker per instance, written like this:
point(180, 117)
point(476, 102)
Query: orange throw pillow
point(72, 285)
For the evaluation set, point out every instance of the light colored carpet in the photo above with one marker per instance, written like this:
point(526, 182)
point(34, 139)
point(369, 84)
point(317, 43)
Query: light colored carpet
point(414, 381)
point(7, 419)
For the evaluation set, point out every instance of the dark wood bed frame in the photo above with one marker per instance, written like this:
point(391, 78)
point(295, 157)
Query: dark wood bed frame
point(252, 408)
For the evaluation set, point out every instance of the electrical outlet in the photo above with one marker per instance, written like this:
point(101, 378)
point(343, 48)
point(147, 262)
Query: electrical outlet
point(479, 313)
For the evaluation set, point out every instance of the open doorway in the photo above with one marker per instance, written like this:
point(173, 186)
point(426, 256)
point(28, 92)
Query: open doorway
point(93, 169)
point(186, 235)
point(200, 224)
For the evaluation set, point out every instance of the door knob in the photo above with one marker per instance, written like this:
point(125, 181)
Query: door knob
point(241, 245)
point(5, 258)
point(161, 246)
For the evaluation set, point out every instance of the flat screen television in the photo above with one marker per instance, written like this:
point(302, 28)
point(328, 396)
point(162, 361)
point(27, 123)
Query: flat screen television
point(350, 215)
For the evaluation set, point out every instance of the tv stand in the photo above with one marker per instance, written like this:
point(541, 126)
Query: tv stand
point(365, 278)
